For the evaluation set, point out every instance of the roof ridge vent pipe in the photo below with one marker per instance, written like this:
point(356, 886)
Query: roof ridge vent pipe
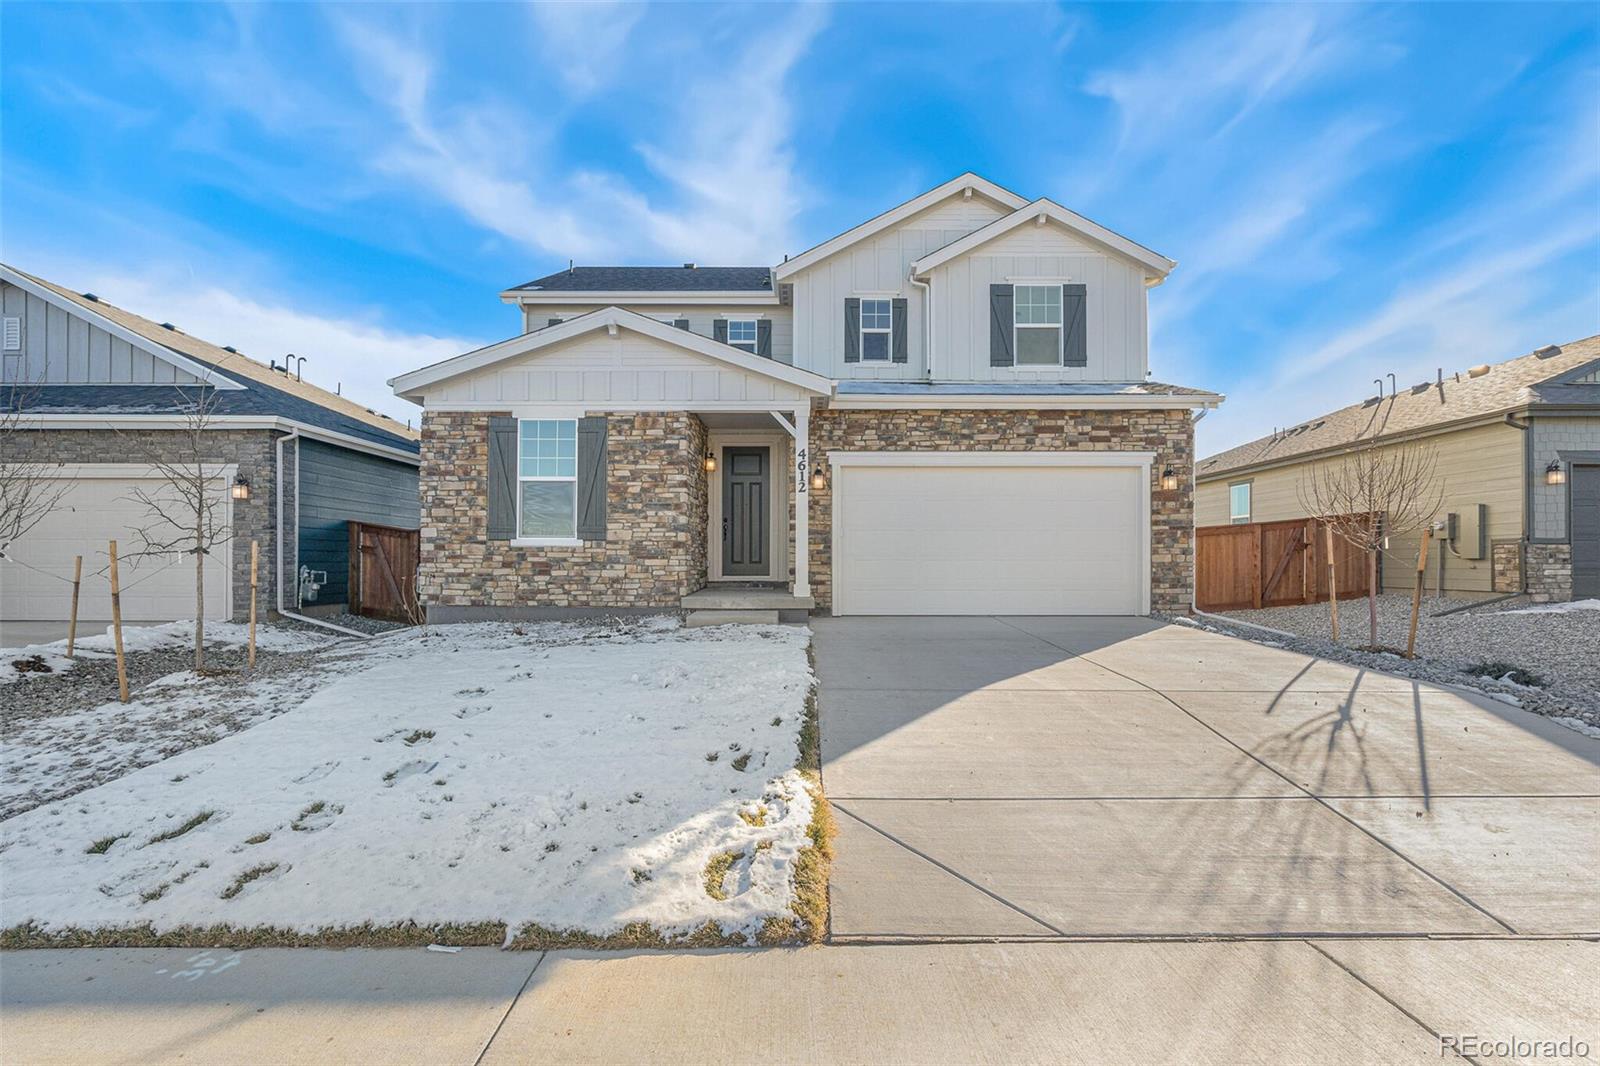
point(1379, 382)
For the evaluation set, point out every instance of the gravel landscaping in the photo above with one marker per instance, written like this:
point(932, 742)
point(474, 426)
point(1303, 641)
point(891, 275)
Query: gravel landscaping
point(1561, 648)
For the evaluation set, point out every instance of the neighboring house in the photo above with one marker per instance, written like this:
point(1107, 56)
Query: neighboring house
point(102, 392)
point(1517, 452)
point(944, 410)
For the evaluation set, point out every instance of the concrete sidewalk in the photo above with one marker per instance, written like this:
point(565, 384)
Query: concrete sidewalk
point(1268, 1002)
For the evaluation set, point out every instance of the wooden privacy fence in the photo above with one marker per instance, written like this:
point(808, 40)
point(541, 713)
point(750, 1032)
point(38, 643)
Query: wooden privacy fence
point(1272, 564)
point(383, 571)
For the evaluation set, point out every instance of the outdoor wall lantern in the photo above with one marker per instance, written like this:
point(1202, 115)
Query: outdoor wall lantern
point(711, 463)
point(241, 488)
point(1553, 474)
point(818, 480)
point(1169, 480)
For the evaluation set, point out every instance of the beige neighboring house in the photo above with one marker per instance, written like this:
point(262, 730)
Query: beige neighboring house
point(1517, 446)
point(944, 410)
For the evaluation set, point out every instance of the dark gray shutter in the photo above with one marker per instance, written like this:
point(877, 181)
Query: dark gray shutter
point(852, 330)
point(553, 322)
point(680, 323)
point(764, 338)
point(502, 477)
point(1001, 323)
point(897, 337)
point(592, 478)
point(719, 330)
point(1074, 316)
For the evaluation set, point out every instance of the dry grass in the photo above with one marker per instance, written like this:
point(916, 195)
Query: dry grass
point(172, 834)
point(717, 872)
point(246, 877)
point(103, 845)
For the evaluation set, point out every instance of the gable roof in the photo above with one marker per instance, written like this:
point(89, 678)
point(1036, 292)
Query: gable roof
point(1157, 266)
point(276, 393)
point(1530, 380)
point(898, 214)
point(686, 278)
point(407, 385)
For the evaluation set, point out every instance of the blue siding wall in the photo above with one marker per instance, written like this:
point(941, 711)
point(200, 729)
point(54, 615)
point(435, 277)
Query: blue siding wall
point(337, 485)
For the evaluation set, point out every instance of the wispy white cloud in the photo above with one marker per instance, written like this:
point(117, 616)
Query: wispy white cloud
point(584, 42)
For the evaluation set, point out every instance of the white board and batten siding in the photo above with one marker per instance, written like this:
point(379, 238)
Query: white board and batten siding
point(879, 266)
point(1117, 326)
point(598, 369)
point(701, 319)
point(58, 348)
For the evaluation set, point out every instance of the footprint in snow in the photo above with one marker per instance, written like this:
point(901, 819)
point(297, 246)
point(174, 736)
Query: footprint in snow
point(472, 711)
point(410, 769)
point(317, 773)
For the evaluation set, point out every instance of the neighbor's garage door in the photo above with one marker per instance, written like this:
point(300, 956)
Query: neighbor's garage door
point(99, 506)
point(987, 539)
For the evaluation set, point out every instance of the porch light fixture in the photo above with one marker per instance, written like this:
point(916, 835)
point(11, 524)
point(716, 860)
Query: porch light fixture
point(1169, 480)
point(241, 488)
point(1553, 474)
point(819, 481)
point(711, 463)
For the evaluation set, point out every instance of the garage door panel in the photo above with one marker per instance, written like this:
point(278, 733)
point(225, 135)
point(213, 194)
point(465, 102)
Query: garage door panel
point(990, 540)
point(90, 513)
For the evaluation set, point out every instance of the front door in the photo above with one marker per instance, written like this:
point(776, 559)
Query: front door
point(746, 502)
point(1584, 484)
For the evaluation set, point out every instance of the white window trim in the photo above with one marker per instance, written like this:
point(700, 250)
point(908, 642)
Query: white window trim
point(1249, 503)
point(755, 325)
point(888, 331)
point(1059, 327)
point(520, 541)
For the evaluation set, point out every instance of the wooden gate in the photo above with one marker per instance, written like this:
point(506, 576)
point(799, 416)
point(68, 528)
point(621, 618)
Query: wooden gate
point(1272, 564)
point(383, 571)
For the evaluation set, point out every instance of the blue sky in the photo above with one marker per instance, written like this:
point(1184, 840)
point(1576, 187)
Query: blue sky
point(1349, 191)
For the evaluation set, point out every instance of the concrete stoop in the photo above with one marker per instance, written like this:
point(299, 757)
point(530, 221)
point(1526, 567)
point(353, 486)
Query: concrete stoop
point(740, 605)
point(731, 617)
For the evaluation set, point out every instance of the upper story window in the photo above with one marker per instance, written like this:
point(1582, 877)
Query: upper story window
point(1038, 325)
point(742, 334)
point(1239, 502)
point(876, 326)
point(547, 477)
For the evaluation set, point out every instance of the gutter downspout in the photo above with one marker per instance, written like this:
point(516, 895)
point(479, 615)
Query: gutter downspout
point(1527, 505)
point(927, 323)
point(286, 438)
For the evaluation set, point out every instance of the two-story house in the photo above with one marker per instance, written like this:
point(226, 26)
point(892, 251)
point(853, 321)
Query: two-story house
point(944, 410)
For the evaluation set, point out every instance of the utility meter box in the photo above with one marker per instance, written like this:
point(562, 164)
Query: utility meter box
point(1468, 531)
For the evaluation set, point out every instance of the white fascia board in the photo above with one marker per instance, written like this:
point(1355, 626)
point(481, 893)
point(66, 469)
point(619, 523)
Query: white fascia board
point(1080, 458)
point(698, 297)
point(1157, 266)
point(859, 402)
point(529, 343)
point(895, 215)
point(40, 420)
point(211, 375)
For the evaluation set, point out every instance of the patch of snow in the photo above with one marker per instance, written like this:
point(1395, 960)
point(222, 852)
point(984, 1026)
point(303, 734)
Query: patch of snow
point(1580, 725)
point(1557, 608)
point(271, 638)
point(571, 796)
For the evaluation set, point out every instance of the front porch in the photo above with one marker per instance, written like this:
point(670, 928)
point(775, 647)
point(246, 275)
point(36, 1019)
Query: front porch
point(720, 604)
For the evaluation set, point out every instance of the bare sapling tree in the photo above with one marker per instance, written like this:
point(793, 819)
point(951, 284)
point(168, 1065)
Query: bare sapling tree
point(187, 513)
point(1371, 495)
point(29, 490)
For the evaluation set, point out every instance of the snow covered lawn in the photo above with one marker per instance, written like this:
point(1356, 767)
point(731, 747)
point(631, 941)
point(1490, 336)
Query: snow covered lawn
point(24, 664)
point(557, 778)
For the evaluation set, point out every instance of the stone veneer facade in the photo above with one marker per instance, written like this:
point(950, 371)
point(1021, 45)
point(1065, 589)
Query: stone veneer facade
point(1506, 563)
point(655, 547)
point(1549, 572)
point(252, 450)
point(655, 551)
point(1169, 434)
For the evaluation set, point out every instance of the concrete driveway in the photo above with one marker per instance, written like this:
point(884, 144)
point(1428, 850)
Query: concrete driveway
point(1053, 778)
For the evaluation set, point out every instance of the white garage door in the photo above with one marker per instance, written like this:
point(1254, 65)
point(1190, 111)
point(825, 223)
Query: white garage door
point(991, 539)
point(99, 506)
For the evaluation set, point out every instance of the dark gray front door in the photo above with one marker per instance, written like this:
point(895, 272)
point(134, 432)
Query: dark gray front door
point(1585, 488)
point(746, 500)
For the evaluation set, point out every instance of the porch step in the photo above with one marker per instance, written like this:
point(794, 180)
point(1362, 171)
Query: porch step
point(717, 617)
point(743, 598)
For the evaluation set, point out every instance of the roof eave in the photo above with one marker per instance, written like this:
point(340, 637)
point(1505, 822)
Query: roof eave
point(639, 296)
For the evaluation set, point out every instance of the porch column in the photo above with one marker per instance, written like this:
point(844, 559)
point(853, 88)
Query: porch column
point(801, 476)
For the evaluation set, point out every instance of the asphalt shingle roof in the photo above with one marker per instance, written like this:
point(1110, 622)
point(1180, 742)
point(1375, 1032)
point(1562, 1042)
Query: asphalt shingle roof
point(1515, 383)
point(1013, 388)
point(266, 392)
point(654, 279)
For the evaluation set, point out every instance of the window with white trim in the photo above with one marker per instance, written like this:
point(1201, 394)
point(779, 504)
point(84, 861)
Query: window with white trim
point(877, 320)
point(1239, 502)
point(742, 334)
point(1037, 316)
point(547, 478)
